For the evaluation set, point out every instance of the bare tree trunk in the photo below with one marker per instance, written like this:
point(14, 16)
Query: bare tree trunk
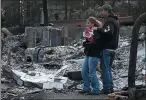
point(102, 2)
point(113, 3)
point(19, 10)
point(129, 8)
point(65, 9)
point(145, 6)
point(45, 10)
point(28, 11)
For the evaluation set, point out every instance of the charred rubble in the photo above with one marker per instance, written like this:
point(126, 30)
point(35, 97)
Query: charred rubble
point(16, 56)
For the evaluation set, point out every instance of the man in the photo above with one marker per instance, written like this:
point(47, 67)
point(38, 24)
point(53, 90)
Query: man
point(109, 39)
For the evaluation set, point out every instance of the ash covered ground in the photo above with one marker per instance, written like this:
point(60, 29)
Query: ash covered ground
point(64, 55)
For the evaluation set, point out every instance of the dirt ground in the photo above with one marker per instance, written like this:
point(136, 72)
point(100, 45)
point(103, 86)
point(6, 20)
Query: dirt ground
point(11, 91)
point(50, 95)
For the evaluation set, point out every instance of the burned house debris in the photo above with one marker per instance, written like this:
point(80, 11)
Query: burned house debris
point(41, 66)
point(46, 60)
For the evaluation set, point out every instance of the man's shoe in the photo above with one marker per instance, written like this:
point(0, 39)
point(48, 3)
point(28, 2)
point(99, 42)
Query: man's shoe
point(83, 92)
point(91, 93)
point(107, 91)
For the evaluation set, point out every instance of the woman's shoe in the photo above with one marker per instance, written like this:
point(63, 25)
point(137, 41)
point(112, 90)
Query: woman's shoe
point(83, 92)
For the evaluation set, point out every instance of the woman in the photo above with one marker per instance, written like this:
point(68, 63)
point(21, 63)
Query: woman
point(92, 52)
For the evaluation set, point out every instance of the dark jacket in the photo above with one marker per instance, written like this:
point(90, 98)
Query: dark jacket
point(93, 49)
point(109, 34)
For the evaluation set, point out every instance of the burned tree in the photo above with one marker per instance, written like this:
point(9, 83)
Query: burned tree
point(45, 10)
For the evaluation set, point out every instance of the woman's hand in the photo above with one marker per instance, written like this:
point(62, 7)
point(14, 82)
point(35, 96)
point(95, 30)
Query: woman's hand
point(94, 28)
point(100, 24)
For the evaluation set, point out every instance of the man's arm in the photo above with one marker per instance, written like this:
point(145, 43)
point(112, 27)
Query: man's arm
point(109, 29)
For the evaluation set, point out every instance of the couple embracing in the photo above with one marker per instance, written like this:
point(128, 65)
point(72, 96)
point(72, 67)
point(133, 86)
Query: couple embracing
point(100, 45)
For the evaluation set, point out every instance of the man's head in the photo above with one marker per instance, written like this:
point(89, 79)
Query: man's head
point(106, 9)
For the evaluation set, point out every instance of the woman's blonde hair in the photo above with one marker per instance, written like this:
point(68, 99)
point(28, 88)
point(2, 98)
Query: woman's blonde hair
point(94, 21)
